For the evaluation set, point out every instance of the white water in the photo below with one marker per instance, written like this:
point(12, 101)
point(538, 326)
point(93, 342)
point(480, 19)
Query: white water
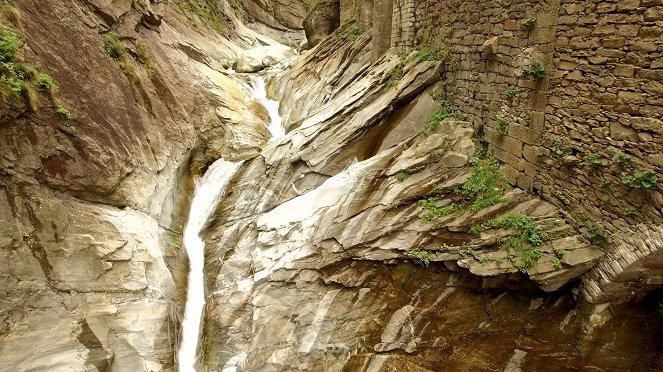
point(257, 88)
point(209, 190)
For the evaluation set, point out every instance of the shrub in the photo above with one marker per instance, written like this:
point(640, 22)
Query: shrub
point(596, 234)
point(114, 47)
point(593, 159)
point(502, 126)
point(560, 148)
point(562, 197)
point(621, 158)
point(486, 185)
point(536, 70)
point(433, 212)
point(511, 94)
point(402, 176)
point(64, 113)
point(45, 81)
point(9, 45)
point(350, 34)
point(631, 211)
point(143, 55)
point(395, 75)
point(443, 112)
point(529, 23)
point(643, 180)
point(527, 244)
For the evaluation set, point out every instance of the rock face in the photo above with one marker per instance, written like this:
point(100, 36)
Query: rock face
point(324, 18)
point(92, 206)
point(324, 257)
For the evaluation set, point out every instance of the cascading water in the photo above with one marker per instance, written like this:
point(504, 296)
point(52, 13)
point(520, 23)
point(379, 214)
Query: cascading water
point(209, 190)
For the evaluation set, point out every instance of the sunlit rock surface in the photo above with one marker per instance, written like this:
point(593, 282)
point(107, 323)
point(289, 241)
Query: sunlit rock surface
point(312, 259)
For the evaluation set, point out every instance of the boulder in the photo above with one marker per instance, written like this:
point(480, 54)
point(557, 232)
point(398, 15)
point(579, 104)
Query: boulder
point(324, 18)
point(257, 59)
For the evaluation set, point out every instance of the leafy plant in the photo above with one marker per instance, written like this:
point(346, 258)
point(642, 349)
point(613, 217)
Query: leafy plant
point(45, 81)
point(9, 44)
point(443, 112)
point(422, 255)
point(511, 94)
point(536, 70)
point(605, 182)
point(622, 158)
point(560, 148)
point(64, 113)
point(433, 212)
point(559, 194)
point(526, 244)
point(596, 234)
point(395, 75)
point(643, 180)
point(502, 126)
point(350, 34)
point(593, 159)
point(486, 185)
point(529, 23)
point(631, 211)
point(402, 176)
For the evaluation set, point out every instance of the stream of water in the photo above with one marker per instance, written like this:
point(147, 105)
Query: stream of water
point(209, 189)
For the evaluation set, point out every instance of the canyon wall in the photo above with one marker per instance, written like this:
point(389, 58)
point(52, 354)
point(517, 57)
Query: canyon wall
point(96, 174)
point(568, 94)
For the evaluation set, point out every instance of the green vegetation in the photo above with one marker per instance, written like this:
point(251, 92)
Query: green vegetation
point(559, 194)
point(402, 176)
point(660, 309)
point(558, 258)
point(560, 148)
point(350, 34)
point(622, 158)
point(605, 182)
point(536, 70)
point(45, 81)
point(529, 24)
point(11, 14)
point(9, 44)
point(643, 180)
point(596, 234)
point(433, 212)
point(207, 12)
point(511, 94)
point(502, 126)
point(118, 51)
point(631, 211)
point(593, 159)
point(526, 244)
point(486, 185)
point(17, 78)
point(114, 47)
point(64, 113)
point(143, 55)
point(423, 256)
point(395, 75)
point(443, 112)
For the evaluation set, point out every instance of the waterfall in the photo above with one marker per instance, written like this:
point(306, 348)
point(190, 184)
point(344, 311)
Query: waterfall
point(257, 88)
point(209, 189)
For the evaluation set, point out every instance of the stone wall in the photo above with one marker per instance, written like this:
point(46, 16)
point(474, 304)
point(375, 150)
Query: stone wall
point(590, 123)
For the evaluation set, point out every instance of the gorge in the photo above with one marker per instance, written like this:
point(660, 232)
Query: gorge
point(426, 186)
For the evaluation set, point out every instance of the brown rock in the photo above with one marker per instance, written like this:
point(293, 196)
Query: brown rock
point(322, 21)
